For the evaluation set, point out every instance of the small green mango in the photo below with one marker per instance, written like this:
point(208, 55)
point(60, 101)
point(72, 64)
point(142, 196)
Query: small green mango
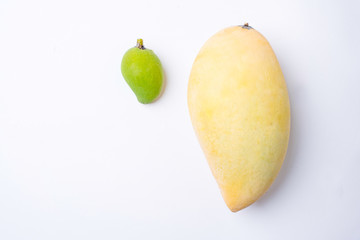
point(143, 72)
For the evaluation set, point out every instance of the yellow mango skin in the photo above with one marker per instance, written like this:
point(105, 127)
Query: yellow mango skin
point(240, 111)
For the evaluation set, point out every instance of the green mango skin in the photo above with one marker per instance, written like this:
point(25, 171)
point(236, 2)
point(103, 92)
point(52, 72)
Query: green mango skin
point(143, 72)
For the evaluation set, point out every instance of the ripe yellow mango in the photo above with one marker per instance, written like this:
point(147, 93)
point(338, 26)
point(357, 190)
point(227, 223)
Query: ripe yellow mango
point(240, 111)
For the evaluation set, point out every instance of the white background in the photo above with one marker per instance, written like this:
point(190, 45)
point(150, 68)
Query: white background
point(80, 158)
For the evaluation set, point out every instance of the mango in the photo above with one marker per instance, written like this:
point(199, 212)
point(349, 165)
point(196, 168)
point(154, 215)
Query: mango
point(240, 111)
point(143, 72)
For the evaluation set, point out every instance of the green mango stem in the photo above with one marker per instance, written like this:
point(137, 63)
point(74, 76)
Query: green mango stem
point(140, 44)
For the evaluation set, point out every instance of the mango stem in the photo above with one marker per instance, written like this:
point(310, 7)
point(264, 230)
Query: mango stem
point(246, 26)
point(140, 44)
